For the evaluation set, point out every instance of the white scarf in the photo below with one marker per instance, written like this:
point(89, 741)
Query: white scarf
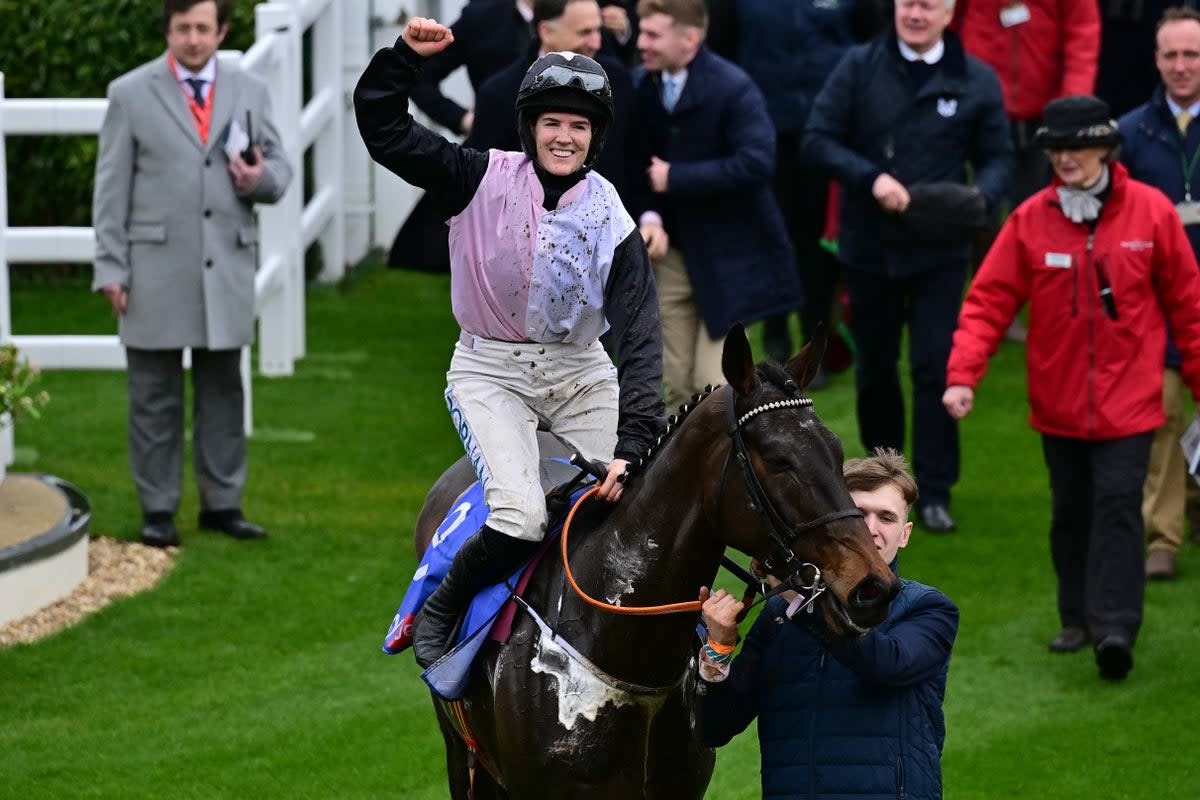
point(1083, 205)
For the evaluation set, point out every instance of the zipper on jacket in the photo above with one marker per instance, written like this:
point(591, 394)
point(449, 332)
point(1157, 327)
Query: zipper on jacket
point(812, 727)
point(902, 791)
point(1091, 341)
point(1075, 293)
point(1014, 83)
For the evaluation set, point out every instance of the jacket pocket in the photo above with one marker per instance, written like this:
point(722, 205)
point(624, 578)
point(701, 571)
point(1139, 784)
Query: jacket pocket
point(248, 236)
point(147, 232)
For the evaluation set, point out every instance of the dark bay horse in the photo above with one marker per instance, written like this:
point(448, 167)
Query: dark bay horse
point(763, 476)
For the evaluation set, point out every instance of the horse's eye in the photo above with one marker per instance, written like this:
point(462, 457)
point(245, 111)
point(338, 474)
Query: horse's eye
point(778, 464)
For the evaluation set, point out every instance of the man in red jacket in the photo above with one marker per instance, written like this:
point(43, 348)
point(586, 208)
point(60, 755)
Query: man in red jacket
point(1101, 259)
point(1040, 49)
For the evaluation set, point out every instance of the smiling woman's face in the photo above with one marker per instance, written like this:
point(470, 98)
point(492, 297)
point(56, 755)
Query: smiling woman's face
point(562, 141)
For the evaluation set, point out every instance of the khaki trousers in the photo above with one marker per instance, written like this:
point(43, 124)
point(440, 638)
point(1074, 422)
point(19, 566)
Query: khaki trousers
point(1168, 487)
point(691, 358)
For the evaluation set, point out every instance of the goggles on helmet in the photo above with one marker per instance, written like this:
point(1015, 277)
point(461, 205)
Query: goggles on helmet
point(561, 75)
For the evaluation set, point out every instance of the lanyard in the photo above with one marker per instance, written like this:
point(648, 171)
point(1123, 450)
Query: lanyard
point(1189, 167)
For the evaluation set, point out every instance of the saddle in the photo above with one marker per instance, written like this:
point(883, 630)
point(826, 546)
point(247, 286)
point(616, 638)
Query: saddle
point(560, 479)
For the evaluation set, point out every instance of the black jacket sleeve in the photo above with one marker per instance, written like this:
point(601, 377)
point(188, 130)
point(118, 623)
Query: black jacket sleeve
point(407, 148)
point(631, 307)
point(911, 651)
point(991, 147)
point(829, 131)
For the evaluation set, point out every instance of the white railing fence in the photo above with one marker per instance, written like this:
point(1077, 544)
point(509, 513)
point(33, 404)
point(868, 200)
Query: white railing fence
point(337, 216)
point(355, 205)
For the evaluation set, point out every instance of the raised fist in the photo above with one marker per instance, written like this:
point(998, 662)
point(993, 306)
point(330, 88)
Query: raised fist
point(427, 36)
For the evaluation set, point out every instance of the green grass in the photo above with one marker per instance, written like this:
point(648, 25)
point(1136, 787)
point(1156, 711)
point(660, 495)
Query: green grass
point(253, 669)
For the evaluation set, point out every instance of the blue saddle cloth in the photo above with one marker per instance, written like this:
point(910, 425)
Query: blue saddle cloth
point(448, 676)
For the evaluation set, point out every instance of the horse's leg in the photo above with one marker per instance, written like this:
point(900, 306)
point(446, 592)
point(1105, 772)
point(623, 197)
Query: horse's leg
point(679, 767)
point(457, 761)
point(486, 788)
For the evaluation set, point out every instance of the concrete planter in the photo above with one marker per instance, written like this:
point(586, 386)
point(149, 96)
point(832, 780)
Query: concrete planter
point(44, 524)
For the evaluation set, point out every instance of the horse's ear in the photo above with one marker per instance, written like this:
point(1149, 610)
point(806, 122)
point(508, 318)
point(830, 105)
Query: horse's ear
point(804, 365)
point(737, 362)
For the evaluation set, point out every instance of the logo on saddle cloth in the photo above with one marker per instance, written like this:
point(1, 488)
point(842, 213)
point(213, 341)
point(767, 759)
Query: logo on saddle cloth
point(463, 520)
point(489, 615)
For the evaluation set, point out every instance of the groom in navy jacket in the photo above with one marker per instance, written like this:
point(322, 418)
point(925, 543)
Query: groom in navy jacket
point(838, 717)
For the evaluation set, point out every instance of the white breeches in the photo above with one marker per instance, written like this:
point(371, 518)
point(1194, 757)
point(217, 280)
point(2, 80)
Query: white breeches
point(499, 392)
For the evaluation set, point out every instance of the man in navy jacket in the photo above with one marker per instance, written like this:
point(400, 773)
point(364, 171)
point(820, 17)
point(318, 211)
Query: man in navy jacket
point(703, 150)
point(909, 108)
point(1159, 142)
point(848, 718)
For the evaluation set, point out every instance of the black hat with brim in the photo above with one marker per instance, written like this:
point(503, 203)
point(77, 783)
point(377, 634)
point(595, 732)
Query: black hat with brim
point(1076, 122)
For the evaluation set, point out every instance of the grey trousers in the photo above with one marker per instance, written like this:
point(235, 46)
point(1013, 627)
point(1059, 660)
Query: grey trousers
point(156, 397)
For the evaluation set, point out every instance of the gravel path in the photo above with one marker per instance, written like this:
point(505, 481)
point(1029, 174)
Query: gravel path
point(116, 569)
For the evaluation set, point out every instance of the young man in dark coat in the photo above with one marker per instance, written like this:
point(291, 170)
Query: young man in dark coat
point(855, 718)
point(906, 113)
point(704, 152)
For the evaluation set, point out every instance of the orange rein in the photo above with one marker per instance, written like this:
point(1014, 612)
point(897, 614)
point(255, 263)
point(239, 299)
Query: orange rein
point(670, 608)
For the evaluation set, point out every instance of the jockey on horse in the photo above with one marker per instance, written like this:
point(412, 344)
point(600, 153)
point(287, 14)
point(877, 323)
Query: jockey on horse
point(544, 259)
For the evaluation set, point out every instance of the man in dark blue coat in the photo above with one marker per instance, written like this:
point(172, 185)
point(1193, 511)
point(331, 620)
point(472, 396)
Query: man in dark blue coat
point(908, 111)
point(789, 47)
point(573, 25)
point(859, 719)
point(704, 153)
point(1162, 148)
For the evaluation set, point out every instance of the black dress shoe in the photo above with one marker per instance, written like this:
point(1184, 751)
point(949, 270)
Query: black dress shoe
point(1069, 639)
point(231, 523)
point(1114, 657)
point(158, 532)
point(936, 517)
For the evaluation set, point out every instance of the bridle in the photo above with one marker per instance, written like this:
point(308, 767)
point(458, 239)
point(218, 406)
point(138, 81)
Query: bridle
point(782, 559)
point(780, 534)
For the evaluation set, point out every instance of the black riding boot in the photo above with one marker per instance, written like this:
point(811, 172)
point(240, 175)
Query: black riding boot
point(485, 558)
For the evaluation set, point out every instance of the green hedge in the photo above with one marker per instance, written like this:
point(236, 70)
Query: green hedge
point(73, 48)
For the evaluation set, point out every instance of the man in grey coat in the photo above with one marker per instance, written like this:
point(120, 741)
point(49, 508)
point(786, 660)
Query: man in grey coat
point(175, 256)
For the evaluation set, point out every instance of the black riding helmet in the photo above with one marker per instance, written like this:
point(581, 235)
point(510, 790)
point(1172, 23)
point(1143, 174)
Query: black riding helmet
point(565, 82)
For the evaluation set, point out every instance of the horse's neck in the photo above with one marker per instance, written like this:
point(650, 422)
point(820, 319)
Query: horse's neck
point(655, 547)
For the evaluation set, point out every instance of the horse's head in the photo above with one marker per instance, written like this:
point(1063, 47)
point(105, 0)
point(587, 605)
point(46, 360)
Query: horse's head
point(783, 499)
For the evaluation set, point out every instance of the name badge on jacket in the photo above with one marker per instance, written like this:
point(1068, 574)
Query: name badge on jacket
point(1060, 260)
point(1014, 14)
point(1189, 213)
